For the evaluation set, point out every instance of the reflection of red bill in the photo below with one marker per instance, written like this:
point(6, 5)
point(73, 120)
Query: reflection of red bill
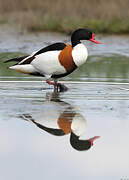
point(93, 39)
point(93, 139)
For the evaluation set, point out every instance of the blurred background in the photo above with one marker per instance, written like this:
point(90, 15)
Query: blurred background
point(64, 16)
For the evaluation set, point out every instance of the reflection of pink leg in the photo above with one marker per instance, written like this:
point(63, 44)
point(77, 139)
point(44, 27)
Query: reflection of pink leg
point(92, 139)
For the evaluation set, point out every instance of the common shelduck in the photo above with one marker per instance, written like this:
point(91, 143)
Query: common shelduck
point(56, 60)
point(62, 119)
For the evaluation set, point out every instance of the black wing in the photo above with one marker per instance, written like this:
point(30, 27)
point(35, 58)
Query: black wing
point(52, 47)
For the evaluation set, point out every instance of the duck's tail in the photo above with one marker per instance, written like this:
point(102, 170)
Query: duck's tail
point(19, 59)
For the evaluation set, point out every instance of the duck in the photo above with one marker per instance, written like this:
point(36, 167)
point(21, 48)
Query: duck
point(56, 60)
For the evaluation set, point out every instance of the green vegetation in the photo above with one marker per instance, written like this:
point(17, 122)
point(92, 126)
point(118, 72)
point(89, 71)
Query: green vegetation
point(98, 67)
point(114, 26)
point(101, 16)
point(2, 20)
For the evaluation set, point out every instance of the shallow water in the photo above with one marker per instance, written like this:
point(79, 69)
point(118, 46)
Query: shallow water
point(96, 104)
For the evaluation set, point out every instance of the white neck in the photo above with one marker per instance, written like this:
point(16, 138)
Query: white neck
point(79, 54)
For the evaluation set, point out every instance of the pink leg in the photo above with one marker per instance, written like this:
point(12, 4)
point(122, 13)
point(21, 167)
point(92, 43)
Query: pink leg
point(52, 83)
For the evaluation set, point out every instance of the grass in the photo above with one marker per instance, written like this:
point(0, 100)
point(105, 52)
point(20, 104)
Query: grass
point(64, 16)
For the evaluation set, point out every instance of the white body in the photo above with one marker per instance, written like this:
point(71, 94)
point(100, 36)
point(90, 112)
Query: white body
point(47, 63)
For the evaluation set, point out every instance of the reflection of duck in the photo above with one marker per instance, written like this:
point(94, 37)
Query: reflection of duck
point(58, 59)
point(62, 119)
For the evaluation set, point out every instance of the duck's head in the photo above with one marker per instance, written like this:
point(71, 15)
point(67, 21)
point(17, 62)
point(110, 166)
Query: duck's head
point(83, 34)
point(81, 145)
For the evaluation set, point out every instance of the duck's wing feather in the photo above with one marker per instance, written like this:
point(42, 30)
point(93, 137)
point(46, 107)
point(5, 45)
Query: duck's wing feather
point(53, 47)
point(28, 59)
point(18, 59)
